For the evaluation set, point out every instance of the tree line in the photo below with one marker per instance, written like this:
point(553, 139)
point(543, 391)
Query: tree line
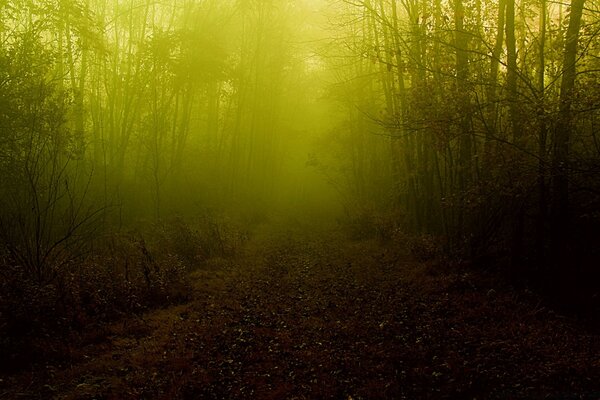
point(472, 121)
point(480, 118)
point(116, 111)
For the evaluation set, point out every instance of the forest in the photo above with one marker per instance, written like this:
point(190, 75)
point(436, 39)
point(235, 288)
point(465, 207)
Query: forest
point(299, 199)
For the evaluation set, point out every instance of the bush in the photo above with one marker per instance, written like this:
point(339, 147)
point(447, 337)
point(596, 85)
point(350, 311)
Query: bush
point(205, 237)
point(425, 247)
point(366, 222)
point(128, 274)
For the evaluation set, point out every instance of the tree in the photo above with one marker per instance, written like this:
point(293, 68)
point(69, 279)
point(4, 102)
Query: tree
point(562, 136)
point(45, 214)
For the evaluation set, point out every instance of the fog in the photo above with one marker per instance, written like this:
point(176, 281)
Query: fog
point(471, 121)
point(316, 199)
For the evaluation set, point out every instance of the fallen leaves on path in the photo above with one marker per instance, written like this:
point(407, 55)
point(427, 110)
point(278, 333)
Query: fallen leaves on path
point(310, 316)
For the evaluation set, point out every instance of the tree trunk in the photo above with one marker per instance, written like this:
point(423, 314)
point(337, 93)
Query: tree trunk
point(511, 71)
point(542, 138)
point(562, 135)
point(462, 93)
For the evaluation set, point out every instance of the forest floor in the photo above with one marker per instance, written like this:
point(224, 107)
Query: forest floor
point(304, 314)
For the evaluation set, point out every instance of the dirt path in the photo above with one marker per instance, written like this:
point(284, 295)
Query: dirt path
point(311, 316)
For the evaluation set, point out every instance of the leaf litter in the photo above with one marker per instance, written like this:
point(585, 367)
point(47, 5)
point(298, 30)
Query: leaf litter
point(304, 315)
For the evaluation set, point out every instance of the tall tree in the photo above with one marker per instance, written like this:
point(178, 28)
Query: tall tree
point(562, 136)
point(464, 106)
point(542, 133)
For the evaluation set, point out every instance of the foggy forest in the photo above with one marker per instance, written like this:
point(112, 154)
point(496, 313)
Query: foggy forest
point(299, 199)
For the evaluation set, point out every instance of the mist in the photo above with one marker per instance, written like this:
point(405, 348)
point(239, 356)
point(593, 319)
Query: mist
point(184, 167)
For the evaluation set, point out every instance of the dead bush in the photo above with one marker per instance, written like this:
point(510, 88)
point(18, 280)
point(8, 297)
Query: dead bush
point(366, 223)
point(196, 240)
point(126, 274)
point(425, 247)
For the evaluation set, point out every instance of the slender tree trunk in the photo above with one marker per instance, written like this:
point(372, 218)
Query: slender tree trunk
point(511, 72)
point(562, 136)
point(465, 140)
point(542, 137)
point(515, 129)
point(400, 112)
point(493, 83)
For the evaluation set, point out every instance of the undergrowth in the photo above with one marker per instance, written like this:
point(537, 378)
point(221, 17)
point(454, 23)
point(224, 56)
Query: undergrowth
point(127, 274)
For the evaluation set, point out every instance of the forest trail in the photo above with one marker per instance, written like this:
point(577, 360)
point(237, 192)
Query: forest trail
point(314, 315)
